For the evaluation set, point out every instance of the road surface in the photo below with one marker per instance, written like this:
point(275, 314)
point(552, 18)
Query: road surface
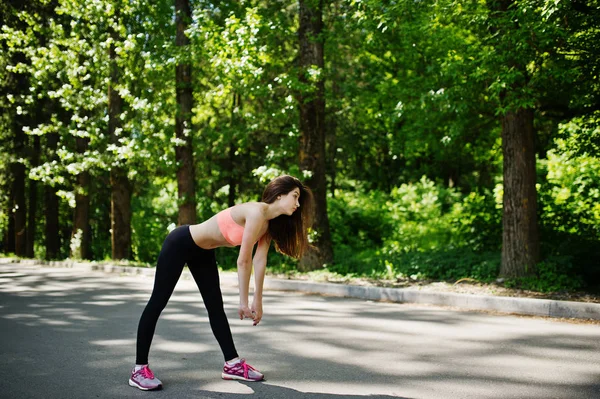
point(66, 333)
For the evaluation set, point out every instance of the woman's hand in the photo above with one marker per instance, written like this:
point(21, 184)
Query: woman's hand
point(245, 312)
point(257, 310)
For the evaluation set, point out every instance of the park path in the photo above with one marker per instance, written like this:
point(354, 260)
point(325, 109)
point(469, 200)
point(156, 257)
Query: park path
point(67, 333)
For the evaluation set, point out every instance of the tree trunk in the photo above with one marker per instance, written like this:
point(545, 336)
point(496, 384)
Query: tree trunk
point(51, 209)
point(33, 194)
point(231, 166)
point(81, 234)
point(331, 143)
point(332, 125)
point(9, 236)
point(18, 206)
point(183, 121)
point(232, 180)
point(17, 209)
point(120, 187)
point(520, 237)
point(120, 214)
point(100, 216)
point(520, 240)
point(312, 128)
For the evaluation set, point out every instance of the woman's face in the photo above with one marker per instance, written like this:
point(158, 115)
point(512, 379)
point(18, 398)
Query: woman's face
point(290, 201)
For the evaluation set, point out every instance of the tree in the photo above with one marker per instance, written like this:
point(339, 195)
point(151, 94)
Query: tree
point(513, 49)
point(23, 30)
point(311, 104)
point(520, 238)
point(119, 181)
point(18, 79)
point(52, 236)
point(81, 233)
point(33, 197)
point(184, 155)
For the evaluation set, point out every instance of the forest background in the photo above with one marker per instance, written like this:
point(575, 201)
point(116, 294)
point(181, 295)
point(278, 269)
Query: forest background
point(443, 139)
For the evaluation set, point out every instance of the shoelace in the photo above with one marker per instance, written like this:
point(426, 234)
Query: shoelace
point(245, 366)
point(147, 373)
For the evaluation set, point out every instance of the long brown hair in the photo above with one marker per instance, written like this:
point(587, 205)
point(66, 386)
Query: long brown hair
point(290, 233)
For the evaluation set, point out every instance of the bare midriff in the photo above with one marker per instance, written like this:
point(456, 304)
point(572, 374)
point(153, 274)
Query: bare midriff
point(207, 234)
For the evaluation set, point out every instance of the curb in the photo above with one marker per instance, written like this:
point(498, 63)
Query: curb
point(511, 305)
point(523, 306)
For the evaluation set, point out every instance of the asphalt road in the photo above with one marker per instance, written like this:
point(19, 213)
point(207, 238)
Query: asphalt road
point(66, 333)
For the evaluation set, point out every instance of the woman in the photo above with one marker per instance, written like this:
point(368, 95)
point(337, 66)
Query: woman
point(284, 215)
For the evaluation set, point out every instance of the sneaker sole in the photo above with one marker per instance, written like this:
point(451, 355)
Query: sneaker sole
point(136, 385)
point(238, 377)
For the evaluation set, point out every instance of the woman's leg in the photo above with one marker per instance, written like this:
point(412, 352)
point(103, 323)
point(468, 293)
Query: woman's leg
point(168, 270)
point(203, 267)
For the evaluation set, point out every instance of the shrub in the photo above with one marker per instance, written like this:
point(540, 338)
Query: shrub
point(554, 274)
point(446, 265)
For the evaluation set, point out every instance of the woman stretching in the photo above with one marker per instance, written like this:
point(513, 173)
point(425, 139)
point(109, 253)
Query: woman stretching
point(284, 215)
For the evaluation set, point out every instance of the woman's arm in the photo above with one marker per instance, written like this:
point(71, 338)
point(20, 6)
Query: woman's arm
point(260, 266)
point(254, 220)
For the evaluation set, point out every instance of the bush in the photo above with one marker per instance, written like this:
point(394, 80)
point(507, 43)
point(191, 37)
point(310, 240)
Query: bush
point(570, 213)
point(553, 274)
point(421, 229)
point(155, 210)
point(447, 265)
point(570, 198)
point(477, 222)
point(358, 220)
point(422, 215)
point(357, 262)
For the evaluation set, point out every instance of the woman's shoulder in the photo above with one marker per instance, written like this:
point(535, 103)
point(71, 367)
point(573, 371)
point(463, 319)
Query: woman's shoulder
point(256, 209)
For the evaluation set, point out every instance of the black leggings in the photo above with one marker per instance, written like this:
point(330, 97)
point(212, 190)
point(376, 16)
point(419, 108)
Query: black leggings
point(178, 249)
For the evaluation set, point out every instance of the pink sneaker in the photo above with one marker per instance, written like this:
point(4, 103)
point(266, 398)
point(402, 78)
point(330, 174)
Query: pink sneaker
point(144, 379)
point(241, 371)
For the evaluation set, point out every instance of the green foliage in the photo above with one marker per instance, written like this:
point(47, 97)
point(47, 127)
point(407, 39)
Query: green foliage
point(581, 136)
point(359, 220)
point(423, 230)
point(155, 211)
point(413, 93)
point(571, 196)
point(554, 274)
point(477, 221)
point(447, 265)
point(403, 98)
point(361, 261)
point(421, 214)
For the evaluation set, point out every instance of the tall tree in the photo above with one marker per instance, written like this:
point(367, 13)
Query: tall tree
point(17, 80)
point(510, 25)
point(236, 105)
point(26, 29)
point(311, 104)
point(33, 196)
point(520, 238)
point(81, 234)
point(183, 120)
point(18, 205)
point(44, 13)
point(119, 181)
point(52, 234)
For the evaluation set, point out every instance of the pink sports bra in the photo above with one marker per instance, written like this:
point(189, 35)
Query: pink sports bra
point(232, 231)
